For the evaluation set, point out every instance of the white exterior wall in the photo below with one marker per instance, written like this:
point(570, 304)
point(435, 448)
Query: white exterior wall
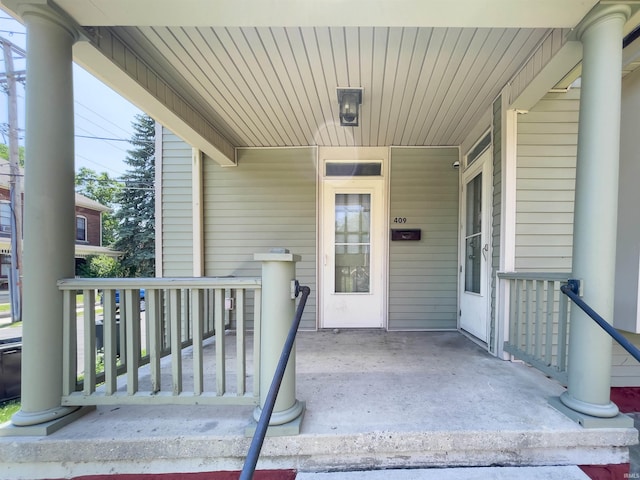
point(267, 201)
point(177, 211)
point(547, 136)
point(626, 371)
point(423, 274)
point(546, 168)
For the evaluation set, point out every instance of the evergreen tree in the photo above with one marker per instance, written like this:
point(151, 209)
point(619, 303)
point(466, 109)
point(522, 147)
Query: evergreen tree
point(103, 189)
point(136, 200)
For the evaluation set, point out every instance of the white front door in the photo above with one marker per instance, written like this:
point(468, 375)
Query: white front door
point(475, 248)
point(352, 255)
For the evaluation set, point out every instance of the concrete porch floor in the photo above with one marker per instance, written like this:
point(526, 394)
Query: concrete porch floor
point(374, 400)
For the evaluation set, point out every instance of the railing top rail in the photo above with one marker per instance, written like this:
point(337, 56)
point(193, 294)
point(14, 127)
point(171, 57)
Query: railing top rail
point(534, 276)
point(151, 283)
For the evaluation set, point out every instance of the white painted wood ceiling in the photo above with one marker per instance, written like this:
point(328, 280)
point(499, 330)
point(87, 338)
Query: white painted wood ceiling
point(276, 86)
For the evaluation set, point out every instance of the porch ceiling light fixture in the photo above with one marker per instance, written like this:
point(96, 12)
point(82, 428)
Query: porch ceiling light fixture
point(349, 100)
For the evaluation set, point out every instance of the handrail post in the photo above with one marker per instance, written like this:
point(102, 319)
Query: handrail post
point(278, 309)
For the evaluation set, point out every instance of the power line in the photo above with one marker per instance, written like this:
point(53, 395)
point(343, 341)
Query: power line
point(150, 142)
point(104, 118)
point(96, 163)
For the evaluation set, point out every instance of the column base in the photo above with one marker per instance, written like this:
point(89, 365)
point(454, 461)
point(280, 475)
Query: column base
point(290, 426)
point(50, 422)
point(590, 421)
point(592, 409)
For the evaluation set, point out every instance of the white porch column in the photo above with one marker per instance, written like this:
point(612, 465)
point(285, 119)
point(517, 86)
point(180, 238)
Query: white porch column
point(278, 310)
point(596, 205)
point(49, 212)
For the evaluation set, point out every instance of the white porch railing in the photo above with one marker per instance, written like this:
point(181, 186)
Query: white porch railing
point(179, 313)
point(538, 321)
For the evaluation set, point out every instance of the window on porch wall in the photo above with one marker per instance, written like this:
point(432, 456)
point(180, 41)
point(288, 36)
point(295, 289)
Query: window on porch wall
point(5, 217)
point(473, 243)
point(81, 229)
point(352, 242)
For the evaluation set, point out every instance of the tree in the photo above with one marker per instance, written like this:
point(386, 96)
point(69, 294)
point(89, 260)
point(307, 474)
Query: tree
point(99, 266)
point(103, 189)
point(4, 153)
point(136, 199)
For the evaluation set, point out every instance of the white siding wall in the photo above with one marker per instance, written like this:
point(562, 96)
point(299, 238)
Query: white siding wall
point(626, 371)
point(547, 139)
point(423, 275)
point(177, 216)
point(268, 200)
point(547, 147)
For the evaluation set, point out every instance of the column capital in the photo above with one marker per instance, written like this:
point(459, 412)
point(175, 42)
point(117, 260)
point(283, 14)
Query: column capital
point(44, 9)
point(600, 14)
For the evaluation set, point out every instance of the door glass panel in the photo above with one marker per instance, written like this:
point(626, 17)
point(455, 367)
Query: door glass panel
point(473, 238)
point(352, 242)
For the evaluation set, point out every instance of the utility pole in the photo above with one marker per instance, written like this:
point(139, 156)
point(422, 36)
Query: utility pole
point(10, 79)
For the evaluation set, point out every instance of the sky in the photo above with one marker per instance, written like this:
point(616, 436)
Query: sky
point(102, 117)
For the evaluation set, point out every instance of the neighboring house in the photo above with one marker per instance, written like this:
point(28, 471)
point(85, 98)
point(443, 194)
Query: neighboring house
point(474, 152)
point(88, 227)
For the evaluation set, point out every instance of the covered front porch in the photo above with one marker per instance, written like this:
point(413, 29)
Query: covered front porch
point(374, 400)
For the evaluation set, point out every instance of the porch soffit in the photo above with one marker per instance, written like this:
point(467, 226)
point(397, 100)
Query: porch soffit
point(276, 86)
point(259, 73)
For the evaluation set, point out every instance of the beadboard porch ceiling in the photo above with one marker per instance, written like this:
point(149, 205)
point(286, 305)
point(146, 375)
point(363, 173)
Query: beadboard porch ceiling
point(276, 86)
point(263, 74)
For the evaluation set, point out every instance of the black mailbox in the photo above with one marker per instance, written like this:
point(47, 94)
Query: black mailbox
point(405, 234)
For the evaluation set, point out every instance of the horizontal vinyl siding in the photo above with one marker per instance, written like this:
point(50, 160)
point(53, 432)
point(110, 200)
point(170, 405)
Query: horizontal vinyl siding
point(267, 201)
point(625, 371)
point(177, 209)
point(423, 275)
point(546, 168)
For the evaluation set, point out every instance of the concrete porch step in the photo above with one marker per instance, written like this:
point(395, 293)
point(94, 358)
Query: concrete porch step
point(479, 473)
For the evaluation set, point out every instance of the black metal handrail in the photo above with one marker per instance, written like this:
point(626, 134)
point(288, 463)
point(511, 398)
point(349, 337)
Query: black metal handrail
point(251, 461)
point(571, 290)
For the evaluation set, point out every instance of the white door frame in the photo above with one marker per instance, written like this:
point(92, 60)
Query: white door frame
point(354, 154)
point(481, 165)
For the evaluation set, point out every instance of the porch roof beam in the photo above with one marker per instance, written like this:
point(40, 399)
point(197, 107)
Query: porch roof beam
point(418, 13)
point(110, 60)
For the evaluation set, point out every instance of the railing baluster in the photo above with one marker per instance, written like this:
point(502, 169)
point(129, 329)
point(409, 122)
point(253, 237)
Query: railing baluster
point(175, 313)
point(186, 327)
point(110, 341)
point(70, 341)
point(131, 298)
point(221, 383)
point(257, 339)
point(563, 317)
point(89, 317)
point(514, 311)
point(241, 354)
point(528, 316)
point(154, 325)
point(197, 309)
point(538, 317)
point(549, 316)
